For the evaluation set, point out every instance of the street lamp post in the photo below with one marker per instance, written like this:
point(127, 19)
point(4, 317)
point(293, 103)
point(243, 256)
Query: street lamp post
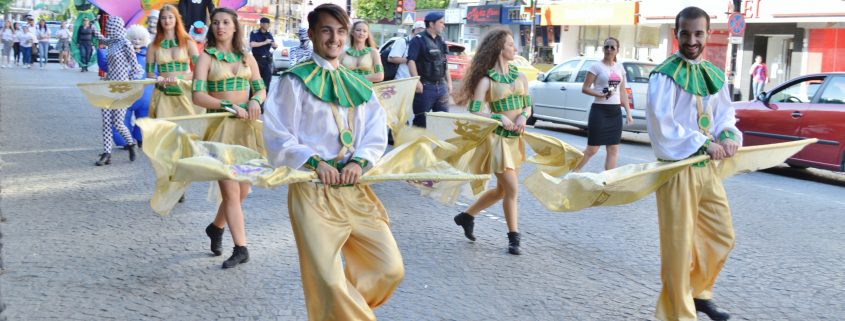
point(276, 19)
point(734, 48)
point(531, 36)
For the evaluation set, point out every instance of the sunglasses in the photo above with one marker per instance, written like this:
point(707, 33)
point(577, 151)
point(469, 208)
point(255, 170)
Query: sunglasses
point(606, 47)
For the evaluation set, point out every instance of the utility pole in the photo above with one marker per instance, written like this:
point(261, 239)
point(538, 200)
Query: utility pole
point(531, 36)
point(276, 20)
point(734, 48)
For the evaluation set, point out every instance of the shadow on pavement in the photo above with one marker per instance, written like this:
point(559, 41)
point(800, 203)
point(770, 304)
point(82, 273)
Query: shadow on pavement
point(810, 174)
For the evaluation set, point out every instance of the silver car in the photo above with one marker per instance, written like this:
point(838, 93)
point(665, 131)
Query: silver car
point(281, 55)
point(557, 95)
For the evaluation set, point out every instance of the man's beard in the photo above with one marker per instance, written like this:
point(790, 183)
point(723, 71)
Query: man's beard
point(692, 53)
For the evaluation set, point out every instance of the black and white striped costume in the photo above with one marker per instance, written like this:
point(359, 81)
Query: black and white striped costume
point(122, 66)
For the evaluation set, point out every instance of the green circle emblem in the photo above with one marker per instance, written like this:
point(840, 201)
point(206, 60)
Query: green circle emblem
point(704, 121)
point(346, 138)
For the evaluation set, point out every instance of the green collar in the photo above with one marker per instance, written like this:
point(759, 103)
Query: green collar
point(358, 53)
point(702, 79)
point(169, 43)
point(224, 56)
point(513, 73)
point(342, 86)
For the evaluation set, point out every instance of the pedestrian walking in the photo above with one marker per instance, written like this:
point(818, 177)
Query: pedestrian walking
point(361, 57)
point(494, 81)
point(43, 35)
point(261, 41)
point(689, 113)
point(304, 50)
point(605, 80)
point(225, 73)
point(123, 65)
point(336, 133)
point(8, 37)
point(427, 59)
point(169, 61)
point(759, 75)
point(84, 40)
point(63, 45)
point(27, 40)
point(16, 45)
point(399, 52)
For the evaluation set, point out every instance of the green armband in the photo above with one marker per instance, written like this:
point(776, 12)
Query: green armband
point(194, 59)
point(360, 161)
point(151, 68)
point(258, 85)
point(257, 99)
point(200, 85)
point(225, 104)
point(496, 116)
point(524, 114)
point(703, 148)
point(379, 68)
point(727, 134)
point(526, 100)
point(312, 162)
point(475, 106)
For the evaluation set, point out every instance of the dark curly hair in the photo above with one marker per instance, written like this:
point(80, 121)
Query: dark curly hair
point(488, 54)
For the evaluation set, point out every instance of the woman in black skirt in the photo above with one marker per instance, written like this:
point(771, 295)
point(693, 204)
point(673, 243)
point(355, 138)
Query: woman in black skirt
point(606, 81)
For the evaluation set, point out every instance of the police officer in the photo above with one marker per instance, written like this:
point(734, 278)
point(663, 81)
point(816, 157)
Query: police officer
point(260, 41)
point(427, 59)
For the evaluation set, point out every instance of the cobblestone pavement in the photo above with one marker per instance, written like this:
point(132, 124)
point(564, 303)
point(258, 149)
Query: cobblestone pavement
point(80, 242)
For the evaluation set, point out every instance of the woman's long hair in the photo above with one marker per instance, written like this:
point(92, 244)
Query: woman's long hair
point(181, 36)
point(15, 27)
point(489, 51)
point(42, 25)
point(237, 37)
point(369, 42)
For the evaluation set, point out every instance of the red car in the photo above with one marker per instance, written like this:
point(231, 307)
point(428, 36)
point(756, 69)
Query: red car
point(811, 106)
point(458, 60)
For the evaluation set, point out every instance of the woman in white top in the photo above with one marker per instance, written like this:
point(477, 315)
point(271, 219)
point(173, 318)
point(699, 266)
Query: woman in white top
point(8, 37)
point(63, 46)
point(605, 80)
point(26, 40)
point(43, 34)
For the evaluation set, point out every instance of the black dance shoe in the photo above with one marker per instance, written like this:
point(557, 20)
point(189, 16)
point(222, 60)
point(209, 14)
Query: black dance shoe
point(239, 256)
point(131, 148)
point(513, 243)
point(105, 159)
point(467, 222)
point(216, 235)
point(709, 308)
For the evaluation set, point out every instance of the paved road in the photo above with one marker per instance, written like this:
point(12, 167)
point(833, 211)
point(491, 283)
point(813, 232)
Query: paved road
point(80, 242)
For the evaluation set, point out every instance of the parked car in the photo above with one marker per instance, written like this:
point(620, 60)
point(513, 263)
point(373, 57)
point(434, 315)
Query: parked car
point(526, 68)
point(557, 95)
point(53, 53)
point(281, 55)
point(457, 59)
point(811, 106)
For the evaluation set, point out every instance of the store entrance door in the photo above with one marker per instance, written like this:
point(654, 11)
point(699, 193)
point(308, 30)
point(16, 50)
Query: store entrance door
point(776, 51)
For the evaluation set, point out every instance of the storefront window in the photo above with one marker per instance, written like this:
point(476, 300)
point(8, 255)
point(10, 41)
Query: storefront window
point(591, 38)
point(826, 49)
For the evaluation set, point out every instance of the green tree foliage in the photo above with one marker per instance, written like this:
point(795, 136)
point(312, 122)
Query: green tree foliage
point(374, 10)
point(4, 5)
point(432, 4)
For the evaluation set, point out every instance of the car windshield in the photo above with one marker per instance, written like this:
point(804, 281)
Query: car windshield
point(637, 72)
point(456, 50)
point(519, 61)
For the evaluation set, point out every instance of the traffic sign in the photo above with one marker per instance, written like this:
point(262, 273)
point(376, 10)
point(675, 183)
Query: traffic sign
point(410, 5)
point(408, 18)
point(736, 24)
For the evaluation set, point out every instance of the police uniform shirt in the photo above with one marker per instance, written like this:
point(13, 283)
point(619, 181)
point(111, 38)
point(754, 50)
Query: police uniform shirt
point(419, 53)
point(260, 36)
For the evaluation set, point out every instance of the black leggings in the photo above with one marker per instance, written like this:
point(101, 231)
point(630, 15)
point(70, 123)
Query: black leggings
point(17, 49)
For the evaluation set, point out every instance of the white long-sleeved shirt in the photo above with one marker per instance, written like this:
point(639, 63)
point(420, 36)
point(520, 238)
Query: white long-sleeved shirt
point(8, 35)
point(672, 118)
point(298, 125)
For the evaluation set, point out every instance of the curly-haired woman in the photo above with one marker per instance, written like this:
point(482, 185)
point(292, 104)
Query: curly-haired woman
point(494, 81)
point(361, 57)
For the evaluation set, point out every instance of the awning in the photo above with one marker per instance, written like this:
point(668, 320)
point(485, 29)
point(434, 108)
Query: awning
point(590, 14)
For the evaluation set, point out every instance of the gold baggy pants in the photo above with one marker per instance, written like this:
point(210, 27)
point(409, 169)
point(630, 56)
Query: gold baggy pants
point(696, 236)
point(328, 222)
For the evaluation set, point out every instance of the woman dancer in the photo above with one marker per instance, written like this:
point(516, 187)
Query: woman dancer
point(360, 57)
point(122, 65)
point(604, 126)
point(224, 74)
point(494, 81)
point(172, 52)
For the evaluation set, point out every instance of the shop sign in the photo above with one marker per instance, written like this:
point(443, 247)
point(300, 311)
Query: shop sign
point(489, 14)
point(516, 15)
point(590, 14)
point(453, 16)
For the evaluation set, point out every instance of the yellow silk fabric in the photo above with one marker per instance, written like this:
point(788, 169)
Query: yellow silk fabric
point(480, 151)
point(696, 236)
point(114, 94)
point(332, 225)
point(180, 151)
point(626, 184)
point(164, 106)
point(397, 99)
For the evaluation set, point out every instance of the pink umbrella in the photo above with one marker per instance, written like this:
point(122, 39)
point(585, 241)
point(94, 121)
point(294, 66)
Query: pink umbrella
point(136, 11)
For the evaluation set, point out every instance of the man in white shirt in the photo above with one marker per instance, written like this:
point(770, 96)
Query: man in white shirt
point(689, 113)
point(399, 51)
point(336, 132)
